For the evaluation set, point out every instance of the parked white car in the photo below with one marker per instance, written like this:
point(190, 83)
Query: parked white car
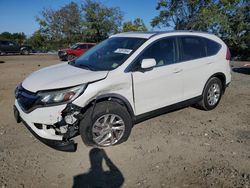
point(125, 79)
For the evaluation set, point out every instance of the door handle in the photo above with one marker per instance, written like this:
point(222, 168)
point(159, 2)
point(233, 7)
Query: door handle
point(177, 70)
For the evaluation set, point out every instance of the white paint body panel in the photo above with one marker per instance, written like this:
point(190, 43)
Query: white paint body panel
point(46, 116)
point(145, 92)
point(157, 88)
point(60, 76)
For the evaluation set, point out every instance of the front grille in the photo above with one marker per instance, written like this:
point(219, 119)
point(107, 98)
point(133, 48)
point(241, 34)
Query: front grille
point(26, 99)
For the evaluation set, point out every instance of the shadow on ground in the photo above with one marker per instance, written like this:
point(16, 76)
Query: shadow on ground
point(96, 176)
point(242, 70)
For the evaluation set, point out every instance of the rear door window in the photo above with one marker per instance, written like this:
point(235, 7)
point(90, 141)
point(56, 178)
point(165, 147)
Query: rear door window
point(192, 47)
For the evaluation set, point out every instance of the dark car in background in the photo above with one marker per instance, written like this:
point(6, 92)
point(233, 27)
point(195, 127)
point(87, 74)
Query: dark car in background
point(7, 46)
point(74, 51)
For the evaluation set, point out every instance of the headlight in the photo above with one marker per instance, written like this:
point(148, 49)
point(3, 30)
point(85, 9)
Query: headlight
point(17, 90)
point(60, 96)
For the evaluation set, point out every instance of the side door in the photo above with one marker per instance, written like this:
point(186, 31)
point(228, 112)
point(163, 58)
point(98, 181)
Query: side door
point(162, 85)
point(195, 65)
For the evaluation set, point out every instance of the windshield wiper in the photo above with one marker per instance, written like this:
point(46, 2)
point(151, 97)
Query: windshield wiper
point(88, 67)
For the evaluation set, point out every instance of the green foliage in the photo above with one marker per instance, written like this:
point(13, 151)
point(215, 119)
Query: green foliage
point(88, 22)
point(136, 25)
point(100, 21)
point(38, 41)
point(60, 27)
point(229, 19)
point(18, 37)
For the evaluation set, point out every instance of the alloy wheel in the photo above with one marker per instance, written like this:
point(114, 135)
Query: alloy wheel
point(108, 130)
point(213, 94)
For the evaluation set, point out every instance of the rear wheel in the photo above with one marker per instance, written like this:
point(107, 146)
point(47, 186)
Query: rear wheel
point(25, 52)
point(109, 123)
point(211, 94)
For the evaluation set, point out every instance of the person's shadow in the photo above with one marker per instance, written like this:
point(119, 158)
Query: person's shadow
point(96, 176)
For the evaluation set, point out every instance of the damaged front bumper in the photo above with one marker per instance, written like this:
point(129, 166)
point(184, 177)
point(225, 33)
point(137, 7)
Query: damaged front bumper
point(52, 129)
point(69, 146)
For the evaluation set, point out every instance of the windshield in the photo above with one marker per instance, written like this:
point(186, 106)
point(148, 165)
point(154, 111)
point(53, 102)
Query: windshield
point(109, 54)
point(74, 46)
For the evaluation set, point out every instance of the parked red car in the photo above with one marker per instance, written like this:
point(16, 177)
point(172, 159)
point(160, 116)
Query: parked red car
point(74, 51)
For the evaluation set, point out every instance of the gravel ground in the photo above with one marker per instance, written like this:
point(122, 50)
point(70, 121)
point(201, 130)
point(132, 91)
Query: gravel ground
point(184, 148)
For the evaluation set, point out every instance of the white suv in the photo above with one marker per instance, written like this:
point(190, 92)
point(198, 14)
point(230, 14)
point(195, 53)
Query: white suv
point(125, 79)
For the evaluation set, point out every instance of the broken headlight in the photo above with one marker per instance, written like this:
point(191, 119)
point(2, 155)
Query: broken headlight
point(60, 96)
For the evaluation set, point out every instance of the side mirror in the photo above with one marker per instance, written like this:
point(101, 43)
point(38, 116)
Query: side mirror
point(148, 63)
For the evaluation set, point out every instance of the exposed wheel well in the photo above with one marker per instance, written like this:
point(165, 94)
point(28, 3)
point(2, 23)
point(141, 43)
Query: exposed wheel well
point(222, 78)
point(111, 97)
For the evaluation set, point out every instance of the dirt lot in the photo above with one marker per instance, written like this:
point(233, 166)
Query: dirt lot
point(185, 148)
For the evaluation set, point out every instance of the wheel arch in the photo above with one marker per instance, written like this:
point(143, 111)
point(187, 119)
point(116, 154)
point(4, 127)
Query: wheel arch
point(112, 97)
point(220, 76)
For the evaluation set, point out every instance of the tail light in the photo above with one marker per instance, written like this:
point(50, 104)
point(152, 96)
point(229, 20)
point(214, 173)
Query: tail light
point(228, 55)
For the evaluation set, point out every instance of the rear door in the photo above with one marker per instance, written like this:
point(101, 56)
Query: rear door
point(195, 64)
point(162, 85)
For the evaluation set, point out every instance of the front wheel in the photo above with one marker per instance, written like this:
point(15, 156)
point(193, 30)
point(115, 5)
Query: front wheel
point(109, 123)
point(211, 95)
point(71, 57)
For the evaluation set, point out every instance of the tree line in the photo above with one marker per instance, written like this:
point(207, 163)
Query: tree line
point(92, 21)
point(18, 37)
point(228, 19)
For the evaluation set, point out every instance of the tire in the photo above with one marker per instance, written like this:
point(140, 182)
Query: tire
point(25, 52)
point(90, 125)
point(211, 95)
point(71, 57)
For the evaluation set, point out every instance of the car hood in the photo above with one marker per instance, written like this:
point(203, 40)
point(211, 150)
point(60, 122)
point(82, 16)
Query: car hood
point(60, 76)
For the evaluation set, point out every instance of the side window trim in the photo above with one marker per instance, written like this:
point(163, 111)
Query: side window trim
point(203, 40)
point(182, 50)
point(131, 65)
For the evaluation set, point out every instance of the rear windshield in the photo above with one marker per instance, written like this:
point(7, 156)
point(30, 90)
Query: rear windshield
point(108, 54)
